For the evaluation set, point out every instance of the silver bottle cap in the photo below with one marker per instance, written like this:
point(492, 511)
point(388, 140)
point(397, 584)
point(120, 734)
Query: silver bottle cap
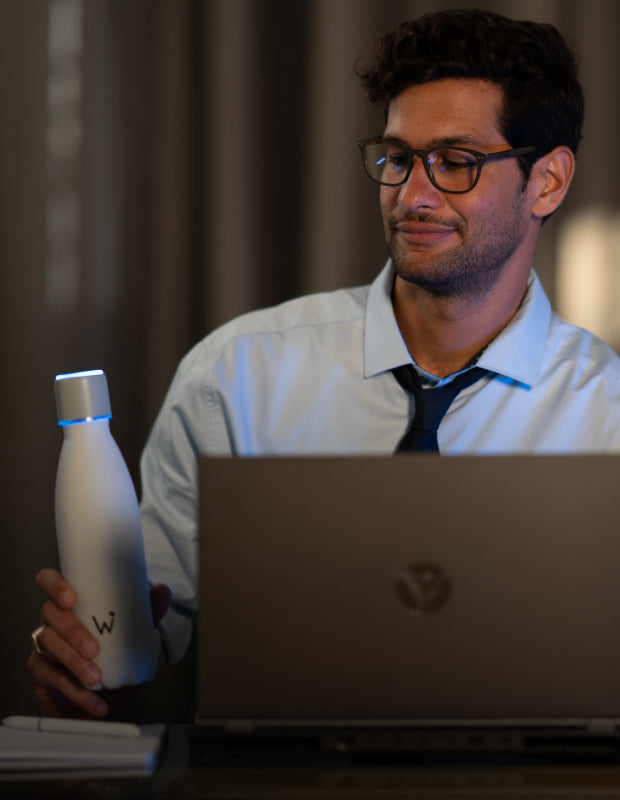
point(82, 396)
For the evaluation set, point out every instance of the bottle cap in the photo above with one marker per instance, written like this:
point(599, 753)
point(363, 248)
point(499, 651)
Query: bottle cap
point(82, 396)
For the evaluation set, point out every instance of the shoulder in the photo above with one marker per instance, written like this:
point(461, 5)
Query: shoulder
point(303, 315)
point(312, 310)
point(590, 354)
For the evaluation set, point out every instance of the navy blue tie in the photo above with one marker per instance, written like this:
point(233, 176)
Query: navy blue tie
point(430, 406)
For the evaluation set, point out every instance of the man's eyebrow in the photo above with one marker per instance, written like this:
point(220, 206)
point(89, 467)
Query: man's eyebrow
point(454, 141)
point(466, 140)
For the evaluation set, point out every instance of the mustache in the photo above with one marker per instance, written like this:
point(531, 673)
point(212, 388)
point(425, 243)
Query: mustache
point(426, 219)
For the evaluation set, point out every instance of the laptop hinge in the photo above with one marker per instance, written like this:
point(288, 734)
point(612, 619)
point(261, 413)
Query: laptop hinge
point(239, 726)
point(602, 725)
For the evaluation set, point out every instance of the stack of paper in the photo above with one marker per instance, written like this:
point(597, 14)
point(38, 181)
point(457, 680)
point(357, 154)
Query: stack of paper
point(28, 746)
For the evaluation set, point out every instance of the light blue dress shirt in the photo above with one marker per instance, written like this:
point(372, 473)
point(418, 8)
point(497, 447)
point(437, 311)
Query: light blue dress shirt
point(313, 376)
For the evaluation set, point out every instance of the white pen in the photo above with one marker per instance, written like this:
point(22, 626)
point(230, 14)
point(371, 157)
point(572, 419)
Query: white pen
point(92, 727)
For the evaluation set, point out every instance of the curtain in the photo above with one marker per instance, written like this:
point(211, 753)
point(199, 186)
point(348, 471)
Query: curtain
point(168, 164)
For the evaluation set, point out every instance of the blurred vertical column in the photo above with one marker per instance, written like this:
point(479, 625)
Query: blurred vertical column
point(343, 241)
point(235, 198)
point(64, 150)
point(588, 238)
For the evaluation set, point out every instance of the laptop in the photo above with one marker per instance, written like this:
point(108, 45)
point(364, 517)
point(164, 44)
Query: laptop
point(411, 604)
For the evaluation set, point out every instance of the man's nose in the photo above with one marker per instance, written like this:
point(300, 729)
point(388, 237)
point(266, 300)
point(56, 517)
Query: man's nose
point(418, 191)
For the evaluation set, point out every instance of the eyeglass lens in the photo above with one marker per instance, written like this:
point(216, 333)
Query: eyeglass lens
point(452, 169)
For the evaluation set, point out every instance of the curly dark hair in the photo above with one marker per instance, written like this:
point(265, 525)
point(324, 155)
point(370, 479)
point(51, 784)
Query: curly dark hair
point(533, 64)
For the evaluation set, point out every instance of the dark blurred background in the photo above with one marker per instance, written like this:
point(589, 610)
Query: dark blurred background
point(168, 164)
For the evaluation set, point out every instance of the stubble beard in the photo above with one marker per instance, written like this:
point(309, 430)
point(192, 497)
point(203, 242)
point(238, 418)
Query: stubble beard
point(468, 270)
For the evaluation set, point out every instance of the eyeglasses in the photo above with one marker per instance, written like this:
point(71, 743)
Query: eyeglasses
point(450, 169)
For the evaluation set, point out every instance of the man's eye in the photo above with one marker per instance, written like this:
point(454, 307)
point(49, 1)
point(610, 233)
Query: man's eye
point(454, 165)
point(398, 161)
point(452, 161)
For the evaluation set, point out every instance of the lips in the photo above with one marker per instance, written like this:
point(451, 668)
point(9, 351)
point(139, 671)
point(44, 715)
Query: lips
point(423, 233)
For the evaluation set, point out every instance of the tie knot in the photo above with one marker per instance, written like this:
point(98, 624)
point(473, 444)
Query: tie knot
point(430, 405)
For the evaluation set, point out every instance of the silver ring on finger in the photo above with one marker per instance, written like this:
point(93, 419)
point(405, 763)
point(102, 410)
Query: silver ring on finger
point(35, 636)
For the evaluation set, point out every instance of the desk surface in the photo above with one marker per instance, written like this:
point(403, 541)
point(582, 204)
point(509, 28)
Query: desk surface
point(188, 770)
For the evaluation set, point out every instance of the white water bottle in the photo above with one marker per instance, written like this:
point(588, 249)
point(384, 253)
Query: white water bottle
point(99, 533)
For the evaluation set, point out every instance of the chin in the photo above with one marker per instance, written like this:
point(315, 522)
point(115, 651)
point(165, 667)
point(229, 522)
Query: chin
point(429, 277)
point(444, 282)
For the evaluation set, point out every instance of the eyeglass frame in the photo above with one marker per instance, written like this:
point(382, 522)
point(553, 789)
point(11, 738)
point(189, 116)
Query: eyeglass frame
point(481, 159)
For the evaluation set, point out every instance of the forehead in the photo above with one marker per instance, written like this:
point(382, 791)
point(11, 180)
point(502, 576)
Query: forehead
point(450, 108)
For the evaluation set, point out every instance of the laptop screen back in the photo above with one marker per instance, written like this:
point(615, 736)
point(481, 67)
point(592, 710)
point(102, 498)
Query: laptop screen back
point(408, 590)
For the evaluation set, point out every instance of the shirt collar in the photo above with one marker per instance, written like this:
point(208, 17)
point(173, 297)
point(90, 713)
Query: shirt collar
point(384, 347)
point(516, 352)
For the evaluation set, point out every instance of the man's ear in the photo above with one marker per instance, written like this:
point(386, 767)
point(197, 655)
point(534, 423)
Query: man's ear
point(550, 178)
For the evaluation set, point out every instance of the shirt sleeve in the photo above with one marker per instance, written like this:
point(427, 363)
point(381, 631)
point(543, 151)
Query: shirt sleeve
point(168, 506)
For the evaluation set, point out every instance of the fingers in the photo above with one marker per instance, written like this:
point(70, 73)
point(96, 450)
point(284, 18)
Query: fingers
point(65, 665)
point(64, 631)
point(56, 587)
point(58, 693)
point(67, 653)
point(65, 640)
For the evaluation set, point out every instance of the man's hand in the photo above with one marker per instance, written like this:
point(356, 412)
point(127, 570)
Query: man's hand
point(68, 649)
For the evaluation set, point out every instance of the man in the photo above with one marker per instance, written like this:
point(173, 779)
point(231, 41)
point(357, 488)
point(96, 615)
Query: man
point(483, 121)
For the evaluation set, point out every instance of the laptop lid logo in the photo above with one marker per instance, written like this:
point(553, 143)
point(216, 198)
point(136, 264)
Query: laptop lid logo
point(423, 587)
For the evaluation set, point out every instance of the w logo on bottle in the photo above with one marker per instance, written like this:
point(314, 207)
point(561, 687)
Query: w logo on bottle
point(105, 626)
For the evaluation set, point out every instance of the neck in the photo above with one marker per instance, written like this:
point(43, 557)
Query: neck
point(443, 334)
